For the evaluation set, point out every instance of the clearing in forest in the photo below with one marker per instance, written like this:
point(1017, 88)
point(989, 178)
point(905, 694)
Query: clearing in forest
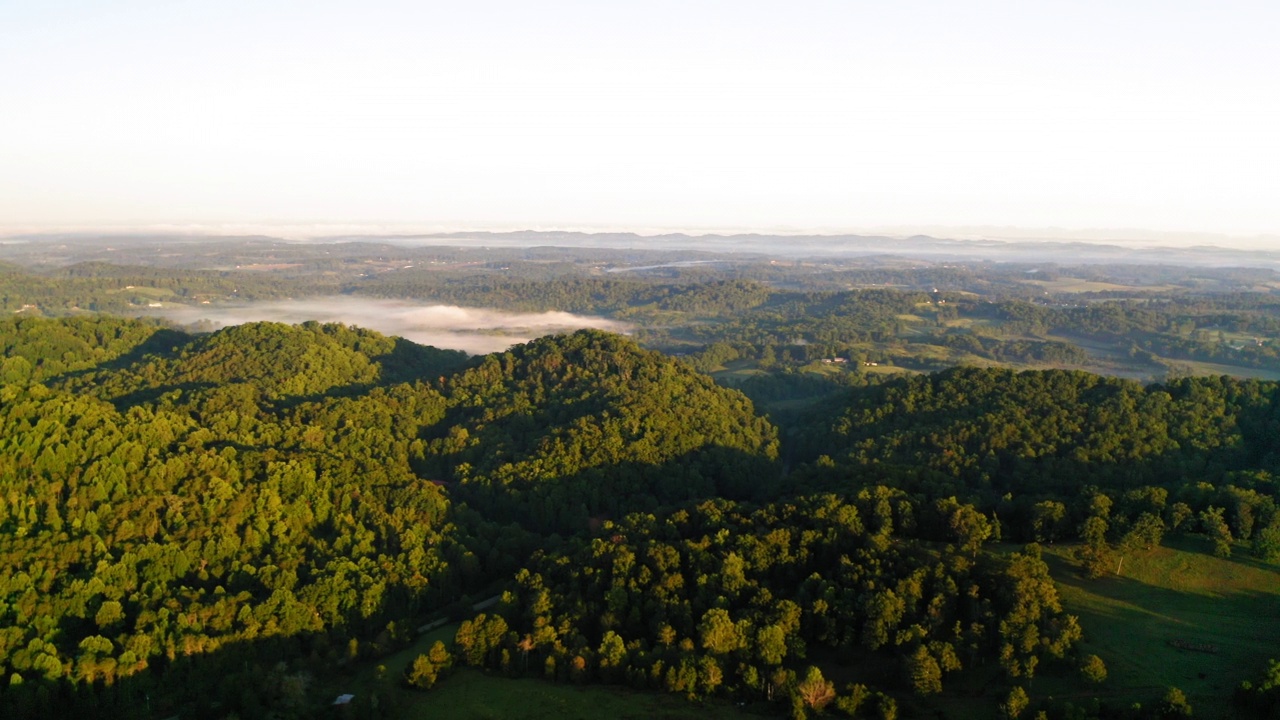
point(1174, 616)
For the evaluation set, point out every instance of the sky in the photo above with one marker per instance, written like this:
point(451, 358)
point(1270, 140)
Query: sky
point(691, 115)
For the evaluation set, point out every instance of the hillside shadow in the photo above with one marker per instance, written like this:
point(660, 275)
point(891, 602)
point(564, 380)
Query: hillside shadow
point(282, 677)
point(995, 445)
point(150, 395)
point(407, 362)
point(1051, 470)
point(300, 676)
point(568, 504)
point(1203, 545)
point(164, 343)
point(1153, 636)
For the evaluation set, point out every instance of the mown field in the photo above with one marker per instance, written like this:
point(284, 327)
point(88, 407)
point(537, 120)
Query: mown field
point(1176, 594)
point(1080, 285)
point(472, 695)
point(469, 694)
point(1197, 367)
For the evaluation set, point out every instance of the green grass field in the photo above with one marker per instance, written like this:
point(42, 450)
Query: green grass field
point(144, 291)
point(887, 370)
point(738, 370)
point(1079, 285)
point(1169, 594)
point(1206, 368)
point(472, 695)
point(469, 694)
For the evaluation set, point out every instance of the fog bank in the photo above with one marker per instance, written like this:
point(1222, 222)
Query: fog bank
point(472, 330)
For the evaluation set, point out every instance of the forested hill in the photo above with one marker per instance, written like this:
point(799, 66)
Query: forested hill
point(166, 497)
point(1037, 431)
point(40, 349)
point(137, 539)
point(277, 361)
point(566, 428)
point(208, 525)
point(1046, 450)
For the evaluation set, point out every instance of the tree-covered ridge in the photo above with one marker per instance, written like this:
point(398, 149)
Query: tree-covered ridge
point(187, 523)
point(1065, 455)
point(624, 296)
point(306, 494)
point(590, 423)
point(1032, 431)
point(106, 287)
point(274, 361)
point(1142, 321)
point(37, 348)
point(133, 538)
point(281, 482)
point(721, 598)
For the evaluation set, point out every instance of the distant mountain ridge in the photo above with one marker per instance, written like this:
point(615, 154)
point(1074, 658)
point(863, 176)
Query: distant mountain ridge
point(846, 245)
point(798, 246)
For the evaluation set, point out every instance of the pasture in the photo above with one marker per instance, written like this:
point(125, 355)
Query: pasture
point(469, 694)
point(1174, 616)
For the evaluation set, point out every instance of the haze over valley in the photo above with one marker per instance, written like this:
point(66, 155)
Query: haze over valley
point(431, 360)
point(473, 330)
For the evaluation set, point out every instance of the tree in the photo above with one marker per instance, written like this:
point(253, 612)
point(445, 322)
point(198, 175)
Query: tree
point(771, 644)
point(1146, 533)
point(969, 527)
point(1266, 542)
point(109, 615)
point(883, 612)
point(1095, 556)
point(923, 672)
point(479, 637)
point(1179, 513)
point(854, 697)
point(1174, 705)
point(780, 680)
point(887, 706)
point(439, 655)
point(613, 656)
point(710, 675)
point(1092, 669)
point(1094, 530)
point(578, 671)
point(525, 645)
point(816, 691)
point(422, 673)
point(1215, 527)
point(718, 632)
point(1015, 704)
point(1046, 520)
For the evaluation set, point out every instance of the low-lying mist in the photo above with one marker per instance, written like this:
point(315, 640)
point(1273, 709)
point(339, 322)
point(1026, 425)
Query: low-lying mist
point(472, 330)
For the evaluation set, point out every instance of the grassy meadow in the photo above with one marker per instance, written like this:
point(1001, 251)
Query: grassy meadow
point(469, 694)
point(473, 695)
point(1081, 285)
point(1178, 593)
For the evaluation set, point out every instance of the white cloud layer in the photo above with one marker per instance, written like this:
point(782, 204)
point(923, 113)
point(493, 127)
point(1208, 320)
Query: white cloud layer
point(473, 330)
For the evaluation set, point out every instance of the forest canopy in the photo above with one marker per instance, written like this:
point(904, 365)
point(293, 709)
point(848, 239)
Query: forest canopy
point(182, 515)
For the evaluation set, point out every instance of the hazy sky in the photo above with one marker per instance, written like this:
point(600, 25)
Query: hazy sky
point(841, 115)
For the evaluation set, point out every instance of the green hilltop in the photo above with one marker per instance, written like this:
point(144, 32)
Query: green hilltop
point(242, 523)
